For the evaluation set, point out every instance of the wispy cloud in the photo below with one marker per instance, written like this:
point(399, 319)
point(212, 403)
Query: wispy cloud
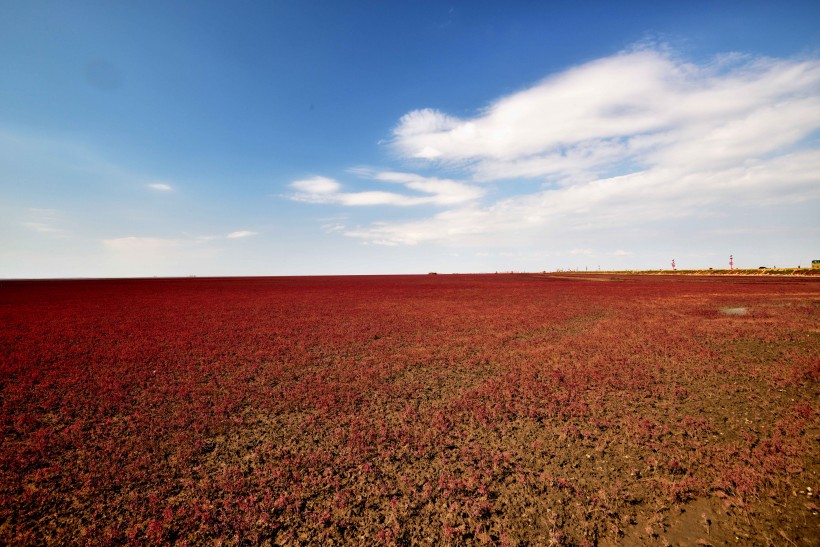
point(135, 243)
point(241, 233)
point(43, 221)
point(316, 189)
point(427, 190)
point(636, 138)
point(160, 187)
point(632, 200)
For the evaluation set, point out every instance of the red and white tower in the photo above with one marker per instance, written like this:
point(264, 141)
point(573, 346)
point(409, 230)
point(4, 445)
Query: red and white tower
point(673, 263)
point(731, 262)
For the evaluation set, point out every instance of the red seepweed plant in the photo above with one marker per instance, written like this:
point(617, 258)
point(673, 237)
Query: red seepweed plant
point(501, 409)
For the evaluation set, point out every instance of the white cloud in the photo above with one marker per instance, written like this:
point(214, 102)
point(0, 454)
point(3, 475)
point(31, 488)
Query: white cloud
point(645, 106)
point(43, 221)
point(428, 190)
point(316, 186)
point(42, 227)
point(160, 186)
point(632, 200)
point(620, 143)
point(159, 244)
point(241, 233)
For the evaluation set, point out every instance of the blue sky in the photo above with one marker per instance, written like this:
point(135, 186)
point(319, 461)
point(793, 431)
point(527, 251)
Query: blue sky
point(282, 138)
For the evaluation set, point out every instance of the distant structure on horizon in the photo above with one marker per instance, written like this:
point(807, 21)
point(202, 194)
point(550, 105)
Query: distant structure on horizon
point(815, 264)
point(731, 262)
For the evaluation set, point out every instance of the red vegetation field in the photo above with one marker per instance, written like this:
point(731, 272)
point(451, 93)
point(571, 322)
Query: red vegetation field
point(497, 409)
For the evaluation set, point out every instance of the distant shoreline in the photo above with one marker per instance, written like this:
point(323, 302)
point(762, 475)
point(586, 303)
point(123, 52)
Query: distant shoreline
point(760, 272)
point(735, 272)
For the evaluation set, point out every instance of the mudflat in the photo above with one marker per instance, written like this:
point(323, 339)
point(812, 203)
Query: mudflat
point(449, 409)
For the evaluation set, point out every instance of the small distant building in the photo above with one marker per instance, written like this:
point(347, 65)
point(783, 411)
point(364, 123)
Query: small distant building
point(815, 264)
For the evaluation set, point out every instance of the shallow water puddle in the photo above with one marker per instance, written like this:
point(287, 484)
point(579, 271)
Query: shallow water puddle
point(735, 311)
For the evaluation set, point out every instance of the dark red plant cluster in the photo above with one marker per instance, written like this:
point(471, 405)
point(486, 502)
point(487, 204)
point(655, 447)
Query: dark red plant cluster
point(481, 409)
